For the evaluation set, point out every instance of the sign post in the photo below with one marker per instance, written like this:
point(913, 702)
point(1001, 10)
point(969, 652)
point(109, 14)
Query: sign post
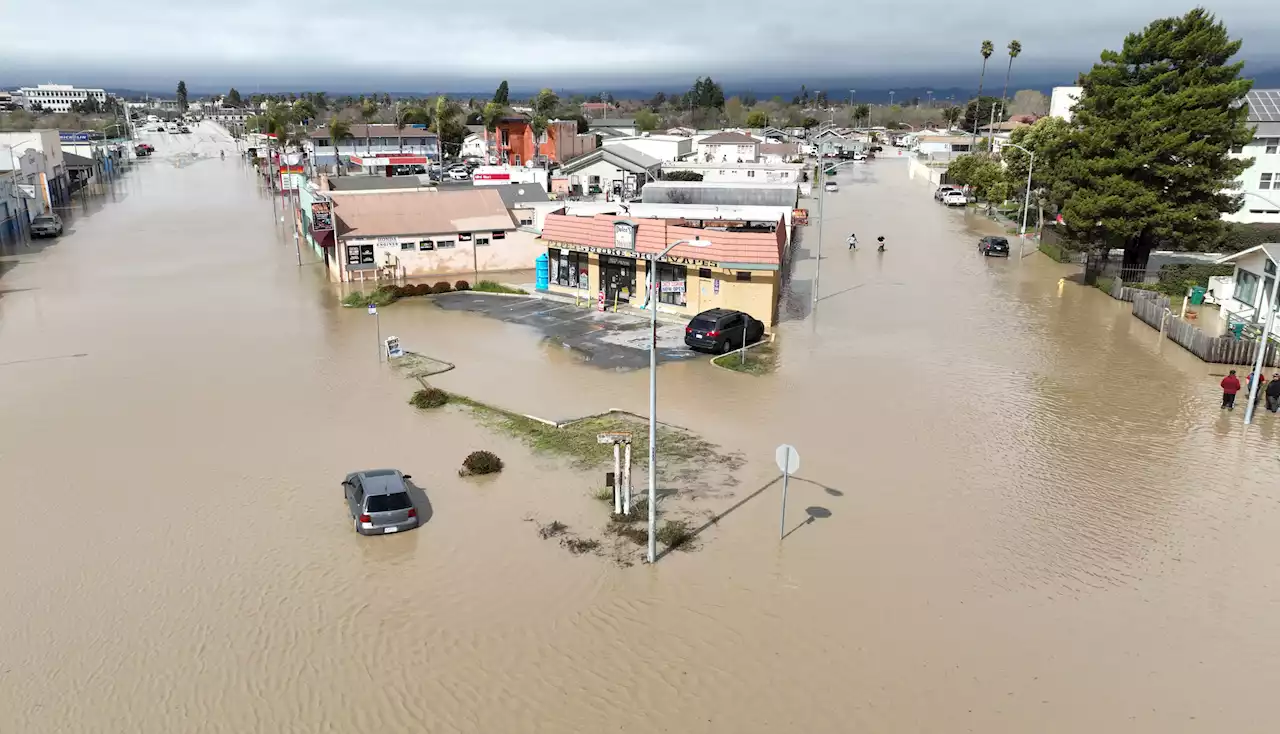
point(789, 463)
point(621, 441)
point(373, 311)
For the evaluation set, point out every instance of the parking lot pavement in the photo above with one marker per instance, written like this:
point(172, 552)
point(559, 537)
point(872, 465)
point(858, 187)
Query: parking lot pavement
point(609, 340)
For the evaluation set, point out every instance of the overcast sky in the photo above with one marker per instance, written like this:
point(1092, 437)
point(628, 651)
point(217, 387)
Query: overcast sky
point(463, 46)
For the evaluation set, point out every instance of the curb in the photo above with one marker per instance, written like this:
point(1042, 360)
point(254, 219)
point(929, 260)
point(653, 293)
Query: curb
point(772, 338)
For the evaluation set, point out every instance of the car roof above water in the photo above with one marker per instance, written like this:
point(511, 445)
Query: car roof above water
point(381, 481)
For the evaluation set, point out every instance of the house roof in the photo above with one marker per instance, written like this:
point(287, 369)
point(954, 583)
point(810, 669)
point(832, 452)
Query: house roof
point(944, 139)
point(77, 161)
point(520, 193)
point(612, 122)
point(420, 212)
point(622, 156)
point(1005, 126)
point(610, 132)
point(1264, 105)
point(780, 149)
point(374, 183)
point(730, 138)
point(654, 235)
point(377, 130)
point(1270, 249)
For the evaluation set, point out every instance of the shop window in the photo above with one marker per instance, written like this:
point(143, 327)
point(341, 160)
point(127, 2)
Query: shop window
point(704, 272)
point(482, 241)
point(745, 277)
point(426, 245)
point(445, 244)
point(568, 268)
point(669, 274)
point(499, 235)
point(1265, 181)
point(406, 246)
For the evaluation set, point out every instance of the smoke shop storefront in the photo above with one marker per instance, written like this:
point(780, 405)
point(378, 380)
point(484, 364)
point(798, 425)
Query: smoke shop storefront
point(616, 278)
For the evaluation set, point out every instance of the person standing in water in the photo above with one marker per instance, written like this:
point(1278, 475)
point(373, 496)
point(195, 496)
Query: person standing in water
point(1230, 386)
point(1273, 393)
point(880, 239)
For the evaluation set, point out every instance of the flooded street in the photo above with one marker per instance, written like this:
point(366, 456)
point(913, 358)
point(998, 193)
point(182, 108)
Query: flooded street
point(1029, 512)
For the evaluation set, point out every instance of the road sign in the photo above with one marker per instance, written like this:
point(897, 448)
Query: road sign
point(788, 459)
point(373, 310)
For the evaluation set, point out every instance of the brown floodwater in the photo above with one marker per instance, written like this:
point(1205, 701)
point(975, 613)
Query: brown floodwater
point(1029, 513)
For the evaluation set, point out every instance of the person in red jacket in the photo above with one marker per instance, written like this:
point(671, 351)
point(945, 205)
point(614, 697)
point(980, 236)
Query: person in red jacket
point(1230, 386)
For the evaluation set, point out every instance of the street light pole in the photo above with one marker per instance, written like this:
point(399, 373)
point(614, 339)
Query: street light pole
point(1262, 350)
point(822, 218)
point(653, 389)
point(1026, 204)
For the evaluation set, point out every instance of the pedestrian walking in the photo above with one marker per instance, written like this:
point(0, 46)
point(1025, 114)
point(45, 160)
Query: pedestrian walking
point(1230, 386)
point(1273, 393)
point(1248, 386)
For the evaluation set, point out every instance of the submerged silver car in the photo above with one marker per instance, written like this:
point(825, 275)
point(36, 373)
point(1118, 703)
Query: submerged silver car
point(379, 502)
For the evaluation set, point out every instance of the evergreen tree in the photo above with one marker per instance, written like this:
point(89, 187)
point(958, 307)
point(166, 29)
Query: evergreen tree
point(233, 98)
point(182, 96)
point(501, 96)
point(1156, 121)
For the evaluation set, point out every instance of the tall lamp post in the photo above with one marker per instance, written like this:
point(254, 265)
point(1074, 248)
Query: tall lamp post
point(1026, 204)
point(1266, 331)
point(822, 217)
point(653, 389)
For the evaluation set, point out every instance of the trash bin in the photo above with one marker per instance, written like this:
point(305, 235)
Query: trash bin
point(1197, 295)
point(1237, 329)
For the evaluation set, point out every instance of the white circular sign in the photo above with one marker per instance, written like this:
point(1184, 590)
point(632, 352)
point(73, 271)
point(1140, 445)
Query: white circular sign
point(788, 459)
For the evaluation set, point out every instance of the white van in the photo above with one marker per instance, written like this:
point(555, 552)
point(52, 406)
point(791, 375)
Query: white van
point(171, 127)
point(153, 118)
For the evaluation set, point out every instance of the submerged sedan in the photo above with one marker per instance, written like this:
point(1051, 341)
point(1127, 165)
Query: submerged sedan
point(993, 247)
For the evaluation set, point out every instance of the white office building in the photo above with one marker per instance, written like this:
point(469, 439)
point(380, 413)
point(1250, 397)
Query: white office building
point(60, 97)
point(1260, 183)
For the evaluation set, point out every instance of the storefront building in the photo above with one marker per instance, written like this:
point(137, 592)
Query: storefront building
point(605, 259)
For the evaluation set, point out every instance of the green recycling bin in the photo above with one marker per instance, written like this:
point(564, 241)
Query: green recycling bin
point(1237, 329)
point(1197, 295)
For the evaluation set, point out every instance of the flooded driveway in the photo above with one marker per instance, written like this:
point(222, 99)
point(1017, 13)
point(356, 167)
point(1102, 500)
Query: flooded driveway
point(1028, 513)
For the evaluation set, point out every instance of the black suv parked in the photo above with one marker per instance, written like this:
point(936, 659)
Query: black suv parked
point(721, 330)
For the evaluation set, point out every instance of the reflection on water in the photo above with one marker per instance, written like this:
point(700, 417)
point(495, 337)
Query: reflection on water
point(1028, 512)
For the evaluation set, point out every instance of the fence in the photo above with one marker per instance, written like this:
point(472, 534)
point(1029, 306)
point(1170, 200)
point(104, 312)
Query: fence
point(1122, 292)
point(1154, 311)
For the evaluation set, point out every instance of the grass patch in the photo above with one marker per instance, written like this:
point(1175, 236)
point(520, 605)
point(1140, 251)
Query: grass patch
point(577, 546)
point(760, 360)
point(1104, 283)
point(416, 366)
point(489, 286)
point(604, 495)
point(552, 529)
point(675, 534)
point(635, 533)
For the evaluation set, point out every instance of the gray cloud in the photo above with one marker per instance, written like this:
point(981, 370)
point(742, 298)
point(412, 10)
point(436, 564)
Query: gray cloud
point(437, 46)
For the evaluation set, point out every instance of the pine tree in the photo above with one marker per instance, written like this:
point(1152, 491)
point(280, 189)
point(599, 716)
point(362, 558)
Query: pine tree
point(182, 96)
point(1156, 121)
point(501, 96)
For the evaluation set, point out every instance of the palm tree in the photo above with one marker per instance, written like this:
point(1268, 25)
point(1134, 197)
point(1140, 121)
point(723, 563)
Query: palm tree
point(987, 50)
point(491, 114)
point(1015, 48)
point(368, 111)
point(338, 130)
point(446, 109)
point(951, 115)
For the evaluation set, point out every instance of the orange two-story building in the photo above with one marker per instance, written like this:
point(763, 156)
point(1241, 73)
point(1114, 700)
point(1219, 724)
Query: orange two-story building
point(561, 142)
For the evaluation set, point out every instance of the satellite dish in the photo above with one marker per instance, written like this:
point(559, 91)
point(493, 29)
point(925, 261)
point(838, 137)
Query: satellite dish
point(520, 192)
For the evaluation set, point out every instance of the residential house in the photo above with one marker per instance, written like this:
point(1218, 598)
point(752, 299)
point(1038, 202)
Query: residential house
point(515, 145)
point(728, 147)
point(620, 125)
point(780, 153)
point(1260, 183)
point(411, 234)
point(748, 172)
point(720, 193)
point(943, 146)
point(608, 257)
point(475, 145)
point(614, 171)
point(371, 141)
point(1247, 296)
point(1063, 100)
point(662, 147)
point(773, 135)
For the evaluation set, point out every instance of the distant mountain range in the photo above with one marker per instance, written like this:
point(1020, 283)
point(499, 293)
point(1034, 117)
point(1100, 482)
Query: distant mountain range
point(869, 91)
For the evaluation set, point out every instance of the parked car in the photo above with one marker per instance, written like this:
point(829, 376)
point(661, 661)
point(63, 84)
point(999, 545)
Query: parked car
point(943, 190)
point(993, 246)
point(831, 186)
point(46, 225)
point(721, 330)
point(458, 174)
point(142, 151)
point(184, 129)
point(379, 502)
point(955, 198)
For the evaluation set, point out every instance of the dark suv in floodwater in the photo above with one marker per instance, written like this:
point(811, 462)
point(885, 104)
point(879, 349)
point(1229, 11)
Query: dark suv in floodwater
point(720, 330)
point(994, 246)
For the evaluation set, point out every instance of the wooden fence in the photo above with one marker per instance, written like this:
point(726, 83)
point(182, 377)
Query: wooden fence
point(1153, 310)
point(1122, 292)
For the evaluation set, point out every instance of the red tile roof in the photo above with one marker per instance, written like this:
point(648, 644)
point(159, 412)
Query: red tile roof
point(653, 236)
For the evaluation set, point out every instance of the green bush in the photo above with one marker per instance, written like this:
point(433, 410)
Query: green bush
point(480, 462)
point(462, 285)
point(1176, 280)
point(675, 534)
point(355, 298)
point(441, 287)
point(429, 397)
point(1104, 283)
point(421, 289)
point(383, 296)
point(1243, 236)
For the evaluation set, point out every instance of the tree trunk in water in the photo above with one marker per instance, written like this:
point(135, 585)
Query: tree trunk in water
point(1137, 253)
